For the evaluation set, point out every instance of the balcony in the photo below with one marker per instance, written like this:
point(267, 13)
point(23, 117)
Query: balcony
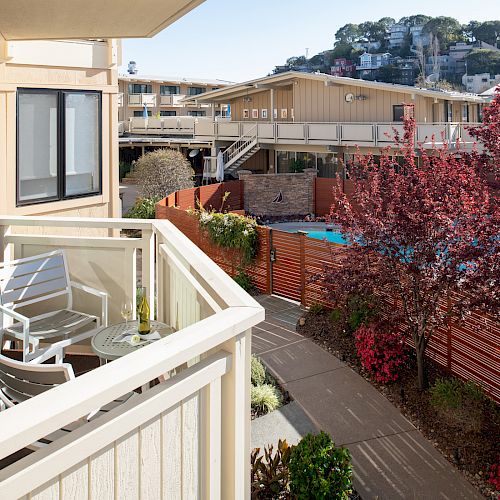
point(330, 134)
point(186, 437)
point(141, 100)
point(170, 125)
point(166, 100)
point(120, 99)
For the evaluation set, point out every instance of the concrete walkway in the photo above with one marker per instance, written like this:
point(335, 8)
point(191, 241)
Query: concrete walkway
point(289, 422)
point(391, 458)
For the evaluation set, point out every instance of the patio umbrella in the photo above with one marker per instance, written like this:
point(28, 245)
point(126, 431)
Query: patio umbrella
point(219, 174)
point(145, 111)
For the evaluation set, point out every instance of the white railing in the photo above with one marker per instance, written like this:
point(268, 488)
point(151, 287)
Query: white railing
point(120, 99)
point(246, 141)
point(341, 134)
point(166, 100)
point(169, 125)
point(187, 437)
point(142, 100)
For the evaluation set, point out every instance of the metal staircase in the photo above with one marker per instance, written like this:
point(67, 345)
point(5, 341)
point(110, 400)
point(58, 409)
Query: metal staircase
point(241, 150)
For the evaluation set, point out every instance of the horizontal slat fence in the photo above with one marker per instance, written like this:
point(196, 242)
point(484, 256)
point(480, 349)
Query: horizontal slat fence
point(210, 197)
point(227, 259)
point(323, 193)
point(469, 349)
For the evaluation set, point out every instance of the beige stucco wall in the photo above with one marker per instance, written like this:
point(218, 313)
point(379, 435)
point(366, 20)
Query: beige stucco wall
point(14, 76)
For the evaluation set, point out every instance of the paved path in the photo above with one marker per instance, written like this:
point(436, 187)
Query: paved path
point(289, 422)
point(130, 193)
point(391, 458)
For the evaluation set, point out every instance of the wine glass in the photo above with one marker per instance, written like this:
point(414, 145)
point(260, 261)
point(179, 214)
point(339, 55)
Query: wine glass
point(126, 312)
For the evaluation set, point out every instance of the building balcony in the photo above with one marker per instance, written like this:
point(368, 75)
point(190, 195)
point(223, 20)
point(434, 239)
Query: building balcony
point(169, 125)
point(120, 99)
point(140, 100)
point(166, 100)
point(330, 134)
point(186, 433)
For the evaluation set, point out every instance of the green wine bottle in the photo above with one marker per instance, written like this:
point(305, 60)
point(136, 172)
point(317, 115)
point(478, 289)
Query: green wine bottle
point(144, 312)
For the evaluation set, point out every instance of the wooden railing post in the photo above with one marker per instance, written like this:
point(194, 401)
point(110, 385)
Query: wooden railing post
point(148, 267)
point(302, 256)
point(235, 476)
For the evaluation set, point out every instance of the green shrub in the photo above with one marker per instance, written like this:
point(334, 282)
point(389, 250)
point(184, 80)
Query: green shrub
point(143, 208)
point(231, 231)
point(316, 308)
point(360, 310)
point(244, 280)
point(258, 372)
point(336, 316)
point(162, 172)
point(269, 473)
point(124, 169)
point(265, 398)
point(297, 166)
point(451, 393)
point(320, 470)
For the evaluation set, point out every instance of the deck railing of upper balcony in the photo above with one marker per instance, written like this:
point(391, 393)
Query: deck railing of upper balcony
point(339, 134)
point(142, 100)
point(187, 437)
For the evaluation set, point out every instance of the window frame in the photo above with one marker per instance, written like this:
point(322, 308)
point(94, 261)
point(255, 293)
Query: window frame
point(177, 87)
point(192, 87)
point(61, 146)
point(400, 108)
point(145, 85)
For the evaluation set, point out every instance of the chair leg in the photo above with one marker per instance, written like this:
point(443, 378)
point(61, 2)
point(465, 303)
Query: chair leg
point(59, 356)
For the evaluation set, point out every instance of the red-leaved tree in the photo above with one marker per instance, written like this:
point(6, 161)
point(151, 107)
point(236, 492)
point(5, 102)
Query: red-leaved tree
point(488, 136)
point(421, 231)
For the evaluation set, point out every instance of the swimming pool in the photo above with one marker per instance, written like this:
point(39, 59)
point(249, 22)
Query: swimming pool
point(316, 230)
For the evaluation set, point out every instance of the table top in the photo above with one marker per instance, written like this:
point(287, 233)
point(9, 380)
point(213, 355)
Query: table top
point(104, 347)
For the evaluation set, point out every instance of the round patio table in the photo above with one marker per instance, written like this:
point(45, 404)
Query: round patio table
point(105, 348)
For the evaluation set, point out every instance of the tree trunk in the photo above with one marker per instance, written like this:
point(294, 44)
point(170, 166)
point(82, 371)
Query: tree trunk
point(421, 372)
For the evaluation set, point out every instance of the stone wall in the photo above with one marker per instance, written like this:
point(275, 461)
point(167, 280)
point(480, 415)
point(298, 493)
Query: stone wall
point(279, 195)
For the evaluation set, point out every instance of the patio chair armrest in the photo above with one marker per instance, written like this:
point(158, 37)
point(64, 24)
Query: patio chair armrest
point(14, 314)
point(98, 293)
point(26, 329)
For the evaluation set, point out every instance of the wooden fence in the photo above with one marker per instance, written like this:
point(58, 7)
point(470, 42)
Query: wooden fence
point(211, 196)
point(286, 262)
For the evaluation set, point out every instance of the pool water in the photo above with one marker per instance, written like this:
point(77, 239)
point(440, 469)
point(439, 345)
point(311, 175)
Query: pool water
point(316, 230)
point(331, 236)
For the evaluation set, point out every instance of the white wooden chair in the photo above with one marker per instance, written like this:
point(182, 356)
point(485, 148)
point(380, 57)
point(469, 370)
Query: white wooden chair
point(37, 279)
point(21, 381)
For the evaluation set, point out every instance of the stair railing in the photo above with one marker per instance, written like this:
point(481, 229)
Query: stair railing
point(233, 152)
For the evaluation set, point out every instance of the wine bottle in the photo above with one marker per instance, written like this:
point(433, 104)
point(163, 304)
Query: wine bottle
point(144, 311)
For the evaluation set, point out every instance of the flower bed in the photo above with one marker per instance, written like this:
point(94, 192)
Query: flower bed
point(467, 436)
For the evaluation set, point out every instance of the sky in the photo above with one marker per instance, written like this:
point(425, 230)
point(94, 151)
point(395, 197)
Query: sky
point(237, 41)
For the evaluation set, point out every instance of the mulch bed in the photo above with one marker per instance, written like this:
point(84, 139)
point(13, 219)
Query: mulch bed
point(468, 438)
